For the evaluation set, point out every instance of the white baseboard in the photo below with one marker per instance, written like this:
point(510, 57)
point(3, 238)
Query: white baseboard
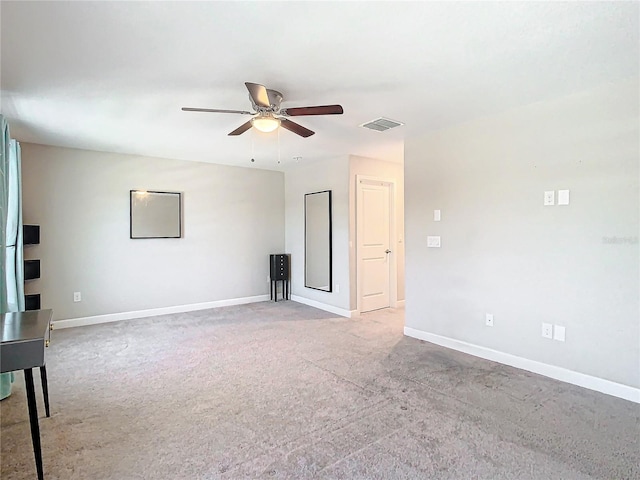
point(564, 375)
point(322, 306)
point(400, 304)
point(116, 317)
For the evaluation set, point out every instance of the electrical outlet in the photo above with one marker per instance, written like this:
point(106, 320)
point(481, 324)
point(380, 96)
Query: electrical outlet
point(268, 279)
point(547, 330)
point(77, 297)
point(550, 197)
point(489, 319)
point(337, 288)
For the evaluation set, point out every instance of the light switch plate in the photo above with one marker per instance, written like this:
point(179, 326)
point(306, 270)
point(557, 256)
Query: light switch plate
point(547, 330)
point(559, 333)
point(549, 198)
point(433, 242)
point(436, 215)
point(563, 197)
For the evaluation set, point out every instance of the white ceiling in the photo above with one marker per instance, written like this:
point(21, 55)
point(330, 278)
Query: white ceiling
point(112, 76)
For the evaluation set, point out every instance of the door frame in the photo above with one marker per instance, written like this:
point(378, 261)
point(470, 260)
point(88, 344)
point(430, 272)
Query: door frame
point(393, 240)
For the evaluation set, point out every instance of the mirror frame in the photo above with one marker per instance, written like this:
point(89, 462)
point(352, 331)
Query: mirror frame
point(131, 213)
point(330, 233)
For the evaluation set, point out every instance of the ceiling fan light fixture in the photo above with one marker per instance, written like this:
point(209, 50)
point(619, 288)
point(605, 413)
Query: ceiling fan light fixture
point(265, 123)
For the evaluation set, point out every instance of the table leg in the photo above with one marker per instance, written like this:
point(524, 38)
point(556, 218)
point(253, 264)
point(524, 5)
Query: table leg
point(33, 420)
point(45, 389)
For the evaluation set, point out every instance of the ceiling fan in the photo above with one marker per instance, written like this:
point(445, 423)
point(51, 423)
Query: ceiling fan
point(267, 112)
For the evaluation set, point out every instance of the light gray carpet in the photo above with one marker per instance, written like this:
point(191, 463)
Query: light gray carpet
point(286, 391)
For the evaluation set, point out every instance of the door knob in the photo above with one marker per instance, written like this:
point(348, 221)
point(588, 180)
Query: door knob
point(387, 251)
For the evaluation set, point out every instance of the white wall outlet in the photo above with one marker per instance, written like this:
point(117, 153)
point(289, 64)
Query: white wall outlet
point(433, 242)
point(563, 197)
point(77, 297)
point(550, 198)
point(436, 215)
point(547, 330)
point(559, 333)
point(268, 279)
point(489, 319)
point(337, 288)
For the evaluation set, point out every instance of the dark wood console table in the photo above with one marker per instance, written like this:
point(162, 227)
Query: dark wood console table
point(24, 336)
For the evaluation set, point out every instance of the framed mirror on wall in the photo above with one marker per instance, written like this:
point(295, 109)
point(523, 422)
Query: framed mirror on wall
point(317, 241)
point(155, 214)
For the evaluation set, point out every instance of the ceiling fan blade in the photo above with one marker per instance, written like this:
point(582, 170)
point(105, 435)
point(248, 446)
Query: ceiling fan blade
point(295, 128)
point(259, 94)
point(319, 110)
point(241, 129)
point(214, 110)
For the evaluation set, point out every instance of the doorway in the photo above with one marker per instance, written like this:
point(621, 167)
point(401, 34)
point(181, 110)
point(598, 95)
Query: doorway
point(375, 236)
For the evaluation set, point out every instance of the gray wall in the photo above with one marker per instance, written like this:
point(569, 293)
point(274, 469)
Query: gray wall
point(505, 253)
point(331, 174)
point(233, 218)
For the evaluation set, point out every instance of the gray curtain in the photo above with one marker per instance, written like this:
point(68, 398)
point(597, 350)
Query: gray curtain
point(11, 260)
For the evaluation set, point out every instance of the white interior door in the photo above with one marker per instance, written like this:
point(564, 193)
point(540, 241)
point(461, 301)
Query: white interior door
point(374, 245)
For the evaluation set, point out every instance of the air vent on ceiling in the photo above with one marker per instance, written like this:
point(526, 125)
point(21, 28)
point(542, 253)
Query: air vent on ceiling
point(381, 124)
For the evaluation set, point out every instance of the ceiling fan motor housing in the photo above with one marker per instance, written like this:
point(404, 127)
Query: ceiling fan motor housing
point(275, 99)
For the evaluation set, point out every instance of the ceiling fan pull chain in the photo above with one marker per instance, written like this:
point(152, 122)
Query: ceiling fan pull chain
point(278, 146)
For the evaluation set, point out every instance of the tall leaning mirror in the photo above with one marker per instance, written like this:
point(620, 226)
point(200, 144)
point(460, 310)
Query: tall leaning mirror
point(317, 240)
